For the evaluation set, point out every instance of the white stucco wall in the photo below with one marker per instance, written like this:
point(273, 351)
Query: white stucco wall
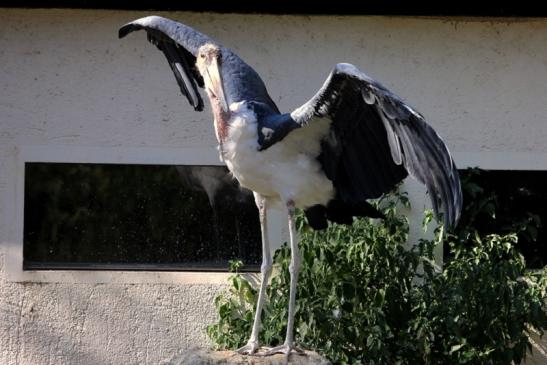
point(67, 81)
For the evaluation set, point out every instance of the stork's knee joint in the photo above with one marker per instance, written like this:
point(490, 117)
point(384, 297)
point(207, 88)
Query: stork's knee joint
point(266, 267)
point(294, 266)
point(291, 206)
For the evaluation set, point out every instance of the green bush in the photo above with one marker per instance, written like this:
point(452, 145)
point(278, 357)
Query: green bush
point(365, 299)
point(478, 308)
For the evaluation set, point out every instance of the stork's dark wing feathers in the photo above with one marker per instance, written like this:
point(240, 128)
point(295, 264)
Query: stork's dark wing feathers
point(180, 60)
point(375, 139)
point(179, 44)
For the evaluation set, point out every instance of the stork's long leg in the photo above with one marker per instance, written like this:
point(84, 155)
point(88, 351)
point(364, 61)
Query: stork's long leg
point(265, 271)
point(294, 269)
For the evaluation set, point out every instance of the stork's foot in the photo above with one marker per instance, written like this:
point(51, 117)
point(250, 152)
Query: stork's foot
point(285, 349)
point(249, 349)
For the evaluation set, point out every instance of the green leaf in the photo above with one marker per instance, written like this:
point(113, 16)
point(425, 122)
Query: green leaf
point(456, 347)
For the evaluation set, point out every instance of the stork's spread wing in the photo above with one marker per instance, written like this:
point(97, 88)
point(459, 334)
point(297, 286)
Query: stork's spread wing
point(180, 44)
point(375, 139)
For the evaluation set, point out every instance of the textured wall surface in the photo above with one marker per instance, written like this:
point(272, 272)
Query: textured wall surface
point(66, 80)
point(58, 323)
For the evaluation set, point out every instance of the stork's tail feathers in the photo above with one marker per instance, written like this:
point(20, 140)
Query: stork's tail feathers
point(339, 211)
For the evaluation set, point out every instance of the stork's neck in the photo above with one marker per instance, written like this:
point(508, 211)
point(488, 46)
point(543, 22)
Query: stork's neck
point(222, 120)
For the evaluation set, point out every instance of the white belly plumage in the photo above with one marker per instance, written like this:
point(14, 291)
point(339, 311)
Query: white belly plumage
point(288, 170)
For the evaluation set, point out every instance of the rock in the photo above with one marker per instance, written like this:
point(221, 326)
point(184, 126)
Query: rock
point(197, 356)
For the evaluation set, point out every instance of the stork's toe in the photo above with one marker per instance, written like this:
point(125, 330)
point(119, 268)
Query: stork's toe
point(249, 349)
point(285, 349)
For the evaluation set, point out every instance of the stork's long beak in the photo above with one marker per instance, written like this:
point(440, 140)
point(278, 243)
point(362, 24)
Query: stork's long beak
point(215, 76)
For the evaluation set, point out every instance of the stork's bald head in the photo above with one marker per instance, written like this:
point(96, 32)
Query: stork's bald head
point(206, 54)
point(209, 63)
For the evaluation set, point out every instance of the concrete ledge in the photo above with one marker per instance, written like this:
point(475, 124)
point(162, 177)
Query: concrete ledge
point(198, 356)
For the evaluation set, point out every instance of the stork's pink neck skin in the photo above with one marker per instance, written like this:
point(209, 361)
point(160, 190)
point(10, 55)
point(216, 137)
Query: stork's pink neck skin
point(222, 120)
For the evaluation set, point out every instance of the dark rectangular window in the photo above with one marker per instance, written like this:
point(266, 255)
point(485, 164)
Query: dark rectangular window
point(508, 201)
point(132, 217)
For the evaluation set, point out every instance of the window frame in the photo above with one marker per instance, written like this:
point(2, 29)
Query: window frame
point(114, 155)
point(490, 160)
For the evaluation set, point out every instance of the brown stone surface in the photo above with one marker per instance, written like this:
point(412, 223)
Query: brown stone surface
point(199, 356)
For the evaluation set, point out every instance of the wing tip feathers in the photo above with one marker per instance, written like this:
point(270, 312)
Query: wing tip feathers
point(126, 29)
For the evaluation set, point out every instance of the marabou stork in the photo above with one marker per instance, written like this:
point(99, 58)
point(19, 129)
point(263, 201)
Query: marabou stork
point(353, 140)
